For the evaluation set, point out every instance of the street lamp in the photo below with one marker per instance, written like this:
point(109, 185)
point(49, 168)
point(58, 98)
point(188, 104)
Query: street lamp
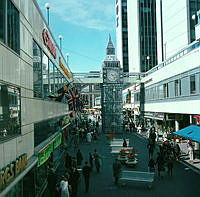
point(60, 38)
point(47, 6)
point(67, 55)
point(148, 58)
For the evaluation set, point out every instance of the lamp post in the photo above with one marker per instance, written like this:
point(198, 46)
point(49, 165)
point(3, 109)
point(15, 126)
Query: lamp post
point(60, 38)
point(67, 55)
point(47, 6)
point(148, 58)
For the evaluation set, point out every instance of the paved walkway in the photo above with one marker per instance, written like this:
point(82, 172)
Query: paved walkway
point(102, 184)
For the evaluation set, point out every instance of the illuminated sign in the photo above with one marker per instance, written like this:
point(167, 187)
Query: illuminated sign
point(48, 43)
point(12, 170)
point(63, 68)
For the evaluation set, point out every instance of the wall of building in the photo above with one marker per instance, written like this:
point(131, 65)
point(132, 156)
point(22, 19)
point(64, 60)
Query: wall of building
point(175, 25)
point(133, 41)
point(18, 70)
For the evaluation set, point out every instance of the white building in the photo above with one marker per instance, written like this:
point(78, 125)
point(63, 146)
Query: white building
point(30, 124)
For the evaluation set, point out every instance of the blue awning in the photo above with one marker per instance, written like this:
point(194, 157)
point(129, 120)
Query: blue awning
point(191, 132)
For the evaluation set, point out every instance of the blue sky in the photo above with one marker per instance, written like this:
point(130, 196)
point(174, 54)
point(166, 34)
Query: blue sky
point(85, 26)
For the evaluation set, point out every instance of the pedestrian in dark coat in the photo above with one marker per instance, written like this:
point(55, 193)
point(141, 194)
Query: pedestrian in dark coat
point(170, 165)
point(116, 170)
point(68, 161)
point(86, 173)
point(124, 143)
point(74, 181)
point(51, 178)
point(79, 157)
point(160, 163)
point(91, 158)
point(97, 160)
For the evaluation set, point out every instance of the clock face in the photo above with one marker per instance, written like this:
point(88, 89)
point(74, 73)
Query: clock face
point(112, 75)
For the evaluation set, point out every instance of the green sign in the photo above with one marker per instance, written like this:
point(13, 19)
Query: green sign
point(44, 154)
point(57, 141)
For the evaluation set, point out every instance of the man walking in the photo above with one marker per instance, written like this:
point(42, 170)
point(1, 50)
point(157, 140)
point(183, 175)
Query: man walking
point(86, 174)
point(116, 170)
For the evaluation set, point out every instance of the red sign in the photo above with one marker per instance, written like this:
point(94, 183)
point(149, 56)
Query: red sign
point(197, 119)
point(48, 42)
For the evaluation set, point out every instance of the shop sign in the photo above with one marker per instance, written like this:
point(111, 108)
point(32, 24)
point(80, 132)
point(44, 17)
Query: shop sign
point(197, 119)
point(48, 43)
point(57, 141)
point(64, 69)
point(12, 170)
point(44, 154)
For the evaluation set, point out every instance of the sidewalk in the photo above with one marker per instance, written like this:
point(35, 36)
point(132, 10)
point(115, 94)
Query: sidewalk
point(195, 165)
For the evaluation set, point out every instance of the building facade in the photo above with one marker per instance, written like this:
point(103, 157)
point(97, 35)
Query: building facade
point(175, 26)
point(136, 34)
point(32, 67)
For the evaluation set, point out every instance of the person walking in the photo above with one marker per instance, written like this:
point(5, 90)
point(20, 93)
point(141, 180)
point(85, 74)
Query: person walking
point(150, 147)
point(64, 186)
point(97, 160)
point(89, 137)
point(86, 173)
point(51, 178)
point(91, 158)
point(124, 143)
point(151, 165)
point(68, 161)
point(170, 165)
point(79, 157)
point(116, 170)
point(160, 163)
point(74, 181)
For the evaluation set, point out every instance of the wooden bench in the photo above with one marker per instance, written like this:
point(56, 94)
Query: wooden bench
point(137, 176)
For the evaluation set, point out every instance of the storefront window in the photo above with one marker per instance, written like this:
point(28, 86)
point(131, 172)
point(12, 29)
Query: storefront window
point(37, 71)
point(51, 77)
point(41, 178)
point(13, 27)
point(192, 84)
point(9, 111)
point(45, 74)
point(56, 79)
point(2, 20)
point(16, 191)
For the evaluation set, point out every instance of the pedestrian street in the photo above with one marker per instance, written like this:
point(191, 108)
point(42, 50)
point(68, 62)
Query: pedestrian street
point(184, 181)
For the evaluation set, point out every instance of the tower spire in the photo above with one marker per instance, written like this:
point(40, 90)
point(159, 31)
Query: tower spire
point(110, 50)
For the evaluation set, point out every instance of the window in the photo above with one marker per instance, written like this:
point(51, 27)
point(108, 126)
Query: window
point(176, 86)
point(166, 92)
point(192, 85)
point(51, 77)
point(2, 21)
point(45, 75)
point(13, 27)
point(9, 111)
point(37, 71)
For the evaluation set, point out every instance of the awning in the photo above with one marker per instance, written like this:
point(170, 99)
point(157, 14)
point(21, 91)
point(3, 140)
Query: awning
point(191, 132)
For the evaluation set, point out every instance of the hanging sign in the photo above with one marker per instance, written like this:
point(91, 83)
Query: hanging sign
point(12, 170)
point(57, 142)
point(64, 69)
point(48, 43)
point(44, 154)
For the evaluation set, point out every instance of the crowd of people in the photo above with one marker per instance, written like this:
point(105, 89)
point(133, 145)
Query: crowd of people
point(169, 151)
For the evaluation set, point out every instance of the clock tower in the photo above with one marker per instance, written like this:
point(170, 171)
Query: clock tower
point(111, 92)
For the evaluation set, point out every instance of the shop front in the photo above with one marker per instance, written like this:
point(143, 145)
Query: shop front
point(13, 178)
point(49, 154)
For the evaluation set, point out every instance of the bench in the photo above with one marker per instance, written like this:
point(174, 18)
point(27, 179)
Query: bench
point(137, 176)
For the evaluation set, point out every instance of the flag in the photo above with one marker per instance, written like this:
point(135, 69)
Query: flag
point(70, 96)
point(64, 89)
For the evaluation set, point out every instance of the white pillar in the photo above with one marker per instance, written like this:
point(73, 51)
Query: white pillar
point(176, 125)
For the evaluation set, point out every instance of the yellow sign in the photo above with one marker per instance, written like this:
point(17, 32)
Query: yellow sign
point(12, 170)
point(64, 69)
